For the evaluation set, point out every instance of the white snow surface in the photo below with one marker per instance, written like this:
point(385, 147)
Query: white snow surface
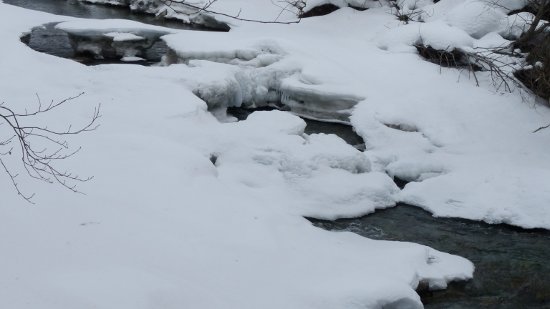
point(473, 133)
point(110, 27)
point(124, 36)
point(470, 148)
point(161, 226)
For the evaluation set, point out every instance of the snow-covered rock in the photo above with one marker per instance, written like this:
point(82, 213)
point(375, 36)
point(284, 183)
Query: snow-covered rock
point(476, 17)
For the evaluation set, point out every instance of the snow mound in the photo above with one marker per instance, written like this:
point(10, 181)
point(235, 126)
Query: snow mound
point(192, 45)
point(436, 34)
point(110, 26)
point(477, 18)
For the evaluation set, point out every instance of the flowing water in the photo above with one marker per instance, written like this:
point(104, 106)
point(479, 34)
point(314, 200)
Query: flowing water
point(512, 264)
point(512, 269)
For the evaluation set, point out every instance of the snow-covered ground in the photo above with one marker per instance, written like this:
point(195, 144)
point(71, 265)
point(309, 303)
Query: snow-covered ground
point(470, 150)
point(161, 226)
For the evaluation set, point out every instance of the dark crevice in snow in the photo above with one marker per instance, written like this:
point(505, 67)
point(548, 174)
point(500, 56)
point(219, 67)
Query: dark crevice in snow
point(511, 262)
point(454, 58)
point(321, 10)
point(402, 127)
point(213, 158)
point(401, 183)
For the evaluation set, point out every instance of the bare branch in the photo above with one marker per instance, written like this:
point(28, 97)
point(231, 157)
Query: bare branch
point(39, 162)
point(297, 4)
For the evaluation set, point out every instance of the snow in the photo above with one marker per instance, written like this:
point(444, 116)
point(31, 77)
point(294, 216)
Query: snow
point(110, 26)
point(121, 36)
point(492, 40)
point(162, 226)
point(189, 211)
point(476, 18)
point(435, 34)
point(193, 45)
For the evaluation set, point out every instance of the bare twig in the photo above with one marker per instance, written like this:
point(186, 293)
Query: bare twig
point(542, 128)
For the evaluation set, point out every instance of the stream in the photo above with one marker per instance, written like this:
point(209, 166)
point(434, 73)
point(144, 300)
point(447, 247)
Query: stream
point(512, 270)
point(511, 263)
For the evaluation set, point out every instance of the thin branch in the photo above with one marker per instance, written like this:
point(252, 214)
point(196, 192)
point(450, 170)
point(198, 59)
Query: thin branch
point(299, 5)
point(542, 128)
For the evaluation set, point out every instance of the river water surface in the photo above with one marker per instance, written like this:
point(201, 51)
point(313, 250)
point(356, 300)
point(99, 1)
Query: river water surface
point(78, 9)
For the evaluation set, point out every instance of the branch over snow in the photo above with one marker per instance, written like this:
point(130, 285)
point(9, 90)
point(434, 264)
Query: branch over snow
point(284, 5)
point(40, 147)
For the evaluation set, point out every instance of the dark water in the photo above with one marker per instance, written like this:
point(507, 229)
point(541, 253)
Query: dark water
point(512, 264)
point(78, 9)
